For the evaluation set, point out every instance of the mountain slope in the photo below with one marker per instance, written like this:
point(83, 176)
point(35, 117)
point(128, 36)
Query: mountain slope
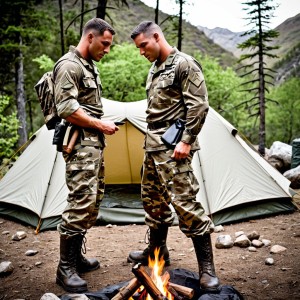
point(125, 19)
point(288, 61)
point(225, 38)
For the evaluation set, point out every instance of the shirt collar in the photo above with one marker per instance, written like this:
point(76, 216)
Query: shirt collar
point(167, 62)
point(83, 60)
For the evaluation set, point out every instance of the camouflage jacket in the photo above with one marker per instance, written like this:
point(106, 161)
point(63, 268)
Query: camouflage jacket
point(175, 89)
point(77, 84)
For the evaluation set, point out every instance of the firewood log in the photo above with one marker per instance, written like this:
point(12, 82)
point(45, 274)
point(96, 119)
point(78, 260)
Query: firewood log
point(127, 291)
point(144, 278)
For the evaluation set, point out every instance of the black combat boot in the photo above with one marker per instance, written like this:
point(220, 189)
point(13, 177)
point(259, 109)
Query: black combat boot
point(67, 275)
point(157, 239)
point(203, 248)
point(84, 264)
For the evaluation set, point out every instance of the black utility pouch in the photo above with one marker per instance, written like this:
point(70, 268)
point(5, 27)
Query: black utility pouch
point(173, 134)
point(59, 133)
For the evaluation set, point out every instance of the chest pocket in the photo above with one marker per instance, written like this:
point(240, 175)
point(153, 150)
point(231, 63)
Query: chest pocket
point(89, 82)
point(166, 88)
point(89, 90)
point(165, 79)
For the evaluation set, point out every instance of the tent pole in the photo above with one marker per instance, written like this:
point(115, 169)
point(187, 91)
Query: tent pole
point(204, 182)
point(46, 194)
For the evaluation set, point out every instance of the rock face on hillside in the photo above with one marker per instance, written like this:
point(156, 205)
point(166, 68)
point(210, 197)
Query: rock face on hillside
point(225, 38)
point(286, 64)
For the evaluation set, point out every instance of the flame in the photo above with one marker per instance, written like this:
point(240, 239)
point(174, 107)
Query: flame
point(157, 265)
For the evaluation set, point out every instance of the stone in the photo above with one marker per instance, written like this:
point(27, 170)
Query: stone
point(257, 243)
point(266, 242)
point(277, 249)
point(269, 261)
point(239, 233)
point(224, 241)
point(242, 241)
point(49, 296)
point(19, 235)
point(6, 267)
point(254, 235)
point(31, 252)
point(252, 249)
point(219, 228)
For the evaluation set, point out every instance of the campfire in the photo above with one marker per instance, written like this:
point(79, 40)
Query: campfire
point(150, 284)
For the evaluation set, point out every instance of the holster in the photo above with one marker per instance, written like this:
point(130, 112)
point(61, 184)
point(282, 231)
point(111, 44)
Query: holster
point(59, 134)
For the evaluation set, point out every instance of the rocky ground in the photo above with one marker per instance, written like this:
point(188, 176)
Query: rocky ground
point(33, 276)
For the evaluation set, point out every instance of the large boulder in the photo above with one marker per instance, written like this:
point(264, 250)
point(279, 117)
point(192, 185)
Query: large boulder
point(294, 176)
point(280, 156)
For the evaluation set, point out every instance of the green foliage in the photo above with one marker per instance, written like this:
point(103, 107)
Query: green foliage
point(223, 93)
point(283, 121)
point(123, 74)
point(8, 129)
point(45, 62)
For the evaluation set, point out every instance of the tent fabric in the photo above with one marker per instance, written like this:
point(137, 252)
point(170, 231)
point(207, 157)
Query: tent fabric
point(232, 173)
point(235, 181)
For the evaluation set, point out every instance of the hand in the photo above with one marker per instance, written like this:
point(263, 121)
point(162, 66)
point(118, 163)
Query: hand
point(108, 127)
point(181, 151)
point(81, 119)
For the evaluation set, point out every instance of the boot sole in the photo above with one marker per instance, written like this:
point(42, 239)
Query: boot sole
point(130, 260)
point(70, 289)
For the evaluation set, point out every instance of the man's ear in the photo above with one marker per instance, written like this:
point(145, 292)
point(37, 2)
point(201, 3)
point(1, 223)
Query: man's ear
point(90, 37)
point(156, 36)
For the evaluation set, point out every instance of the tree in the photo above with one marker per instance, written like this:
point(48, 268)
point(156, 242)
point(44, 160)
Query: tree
point(22, 25)
point(61, 22)
point(101, 11)
point(156, 11)
point(180, 2)
point(260, 12)
point(128, 82)
point(8, 129)
point(283, 117)
point(223, 95)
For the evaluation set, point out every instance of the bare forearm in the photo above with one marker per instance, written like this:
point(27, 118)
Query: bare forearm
point(81, 119)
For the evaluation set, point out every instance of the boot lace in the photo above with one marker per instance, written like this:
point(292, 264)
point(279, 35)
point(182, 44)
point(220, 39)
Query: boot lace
point(83, 246)
point(147, 237)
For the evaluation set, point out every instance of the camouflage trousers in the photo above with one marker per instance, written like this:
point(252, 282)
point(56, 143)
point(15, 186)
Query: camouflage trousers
point(85, 180)
point(166, 181)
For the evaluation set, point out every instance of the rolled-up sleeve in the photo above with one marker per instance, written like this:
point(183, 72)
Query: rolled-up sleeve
point(66, 82)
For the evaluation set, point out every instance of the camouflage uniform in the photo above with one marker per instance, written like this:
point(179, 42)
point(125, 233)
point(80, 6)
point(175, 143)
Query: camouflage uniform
point(77, 84)
point(175, 89)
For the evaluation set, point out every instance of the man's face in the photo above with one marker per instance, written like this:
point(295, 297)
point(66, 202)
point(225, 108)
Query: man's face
point(148, 46)
point(100, 45)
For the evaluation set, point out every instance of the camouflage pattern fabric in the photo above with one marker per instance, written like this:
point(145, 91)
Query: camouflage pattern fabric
point(77, 84)
point(85, 180)
point(168, 181)
point(176, 89)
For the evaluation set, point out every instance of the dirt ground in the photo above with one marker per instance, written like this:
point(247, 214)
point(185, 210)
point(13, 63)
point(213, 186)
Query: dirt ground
point(246, 271)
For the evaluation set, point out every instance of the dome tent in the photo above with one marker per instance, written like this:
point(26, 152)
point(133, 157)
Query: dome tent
point(236, 183)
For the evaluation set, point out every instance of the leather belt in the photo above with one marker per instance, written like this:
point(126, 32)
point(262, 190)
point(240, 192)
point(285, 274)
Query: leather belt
point(158, 125)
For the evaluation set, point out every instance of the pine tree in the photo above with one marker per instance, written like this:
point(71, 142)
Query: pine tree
point(259, 12)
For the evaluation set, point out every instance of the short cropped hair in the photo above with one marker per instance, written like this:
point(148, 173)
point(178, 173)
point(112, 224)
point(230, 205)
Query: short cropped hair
point(146, 27)
point(98, 25)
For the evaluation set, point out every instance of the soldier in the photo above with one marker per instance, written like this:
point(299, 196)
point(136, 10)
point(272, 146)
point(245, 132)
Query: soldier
point(175, 90)
point(78, 101)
